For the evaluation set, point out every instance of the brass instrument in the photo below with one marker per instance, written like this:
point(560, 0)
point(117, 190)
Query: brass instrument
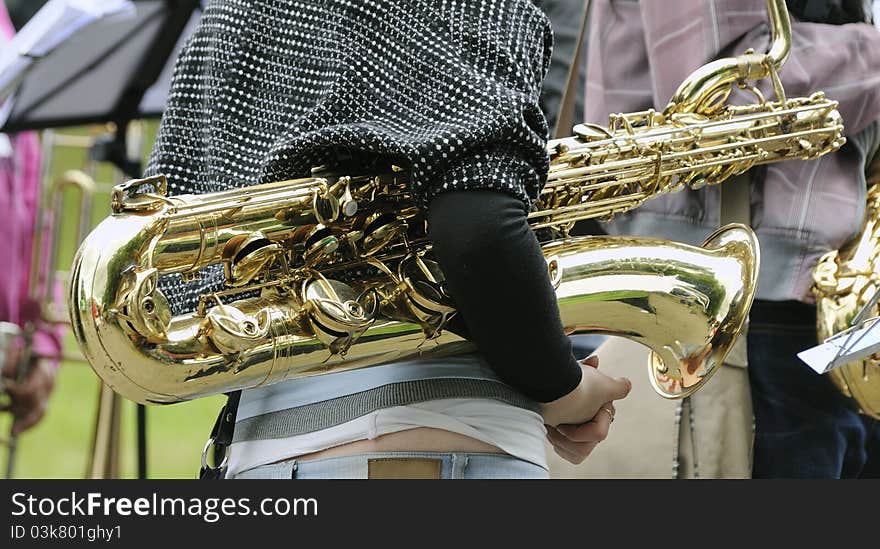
point(46, 236)
point(846, 282)
point(334, 271)
point(13, 337)
point(104, 453)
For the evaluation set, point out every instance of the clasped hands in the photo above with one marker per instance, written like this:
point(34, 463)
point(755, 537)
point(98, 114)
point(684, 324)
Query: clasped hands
point(580, 420)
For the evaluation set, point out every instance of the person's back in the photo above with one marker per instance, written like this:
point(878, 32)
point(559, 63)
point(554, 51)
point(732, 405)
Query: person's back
point(265, 92)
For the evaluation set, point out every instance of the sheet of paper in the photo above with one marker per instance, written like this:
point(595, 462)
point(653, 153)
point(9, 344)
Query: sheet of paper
point(5, 146)
point(844, 348)
point(57, 21)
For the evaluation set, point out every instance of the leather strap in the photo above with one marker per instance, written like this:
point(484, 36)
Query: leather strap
point(221, 440)
point(872, 172)
point(564, 121)
point(735, 204)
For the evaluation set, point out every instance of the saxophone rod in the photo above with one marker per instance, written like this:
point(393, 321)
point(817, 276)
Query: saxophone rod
point(780, 29)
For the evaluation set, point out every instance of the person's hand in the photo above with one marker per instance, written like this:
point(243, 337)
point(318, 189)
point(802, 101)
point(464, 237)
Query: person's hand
point(28, 401)
point(572, 436)
point(574, 443)
point(581, 405)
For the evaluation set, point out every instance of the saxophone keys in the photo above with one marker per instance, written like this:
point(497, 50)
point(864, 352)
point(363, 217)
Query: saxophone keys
point(348, 205)
point(248, 257)
point(555, 270)
point(143, 306)
point(825, 275)
point(326, 207)
point(232, 331)
point(337, 313)
point(380, 232)
point(422, 294)
point(592, 132)
point(320, 244)
point(125, 198)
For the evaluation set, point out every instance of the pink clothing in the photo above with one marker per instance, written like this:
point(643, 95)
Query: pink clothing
point(19, 197)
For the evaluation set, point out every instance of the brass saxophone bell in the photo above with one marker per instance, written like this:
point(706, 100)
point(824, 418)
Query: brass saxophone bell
point(680, 367)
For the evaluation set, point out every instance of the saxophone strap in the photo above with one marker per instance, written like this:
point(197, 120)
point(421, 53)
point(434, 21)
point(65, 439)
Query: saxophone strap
point(221, 440)
point(735, 207)
point(734, 197)
point(565, 117)
point(872, 171)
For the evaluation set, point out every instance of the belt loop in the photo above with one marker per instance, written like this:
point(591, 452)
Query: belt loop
point(293, 469)
point(459, 464)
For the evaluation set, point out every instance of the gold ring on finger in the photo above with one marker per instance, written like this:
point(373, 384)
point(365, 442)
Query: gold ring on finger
point(610, 413)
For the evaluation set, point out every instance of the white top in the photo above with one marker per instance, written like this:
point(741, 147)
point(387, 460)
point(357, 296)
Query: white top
point(517, 431)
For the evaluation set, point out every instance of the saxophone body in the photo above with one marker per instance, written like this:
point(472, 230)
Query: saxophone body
point(334, 271)
point(845, 281)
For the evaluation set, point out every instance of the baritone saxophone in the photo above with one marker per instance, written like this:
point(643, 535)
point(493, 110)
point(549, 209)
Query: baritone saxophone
point(846, 282)
point(334, 271)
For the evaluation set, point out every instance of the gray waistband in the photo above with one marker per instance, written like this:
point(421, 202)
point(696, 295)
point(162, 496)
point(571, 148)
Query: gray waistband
point(329, 413)
point(301, 392)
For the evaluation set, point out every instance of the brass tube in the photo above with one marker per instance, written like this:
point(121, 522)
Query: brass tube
point(682, 301)
point(708, 87)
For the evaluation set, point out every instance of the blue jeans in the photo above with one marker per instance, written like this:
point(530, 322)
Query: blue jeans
point(804, 428)
point(454, 465)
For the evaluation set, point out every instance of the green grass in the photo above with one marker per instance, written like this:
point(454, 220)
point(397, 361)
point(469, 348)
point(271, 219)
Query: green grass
point(60, 446)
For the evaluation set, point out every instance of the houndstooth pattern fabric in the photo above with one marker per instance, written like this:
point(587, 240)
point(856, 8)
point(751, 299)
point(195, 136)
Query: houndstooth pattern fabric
point(266, 89)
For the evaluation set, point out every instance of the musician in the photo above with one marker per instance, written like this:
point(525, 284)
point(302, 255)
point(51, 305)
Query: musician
point(19, 192)
point(800, 210)
point(265, 91)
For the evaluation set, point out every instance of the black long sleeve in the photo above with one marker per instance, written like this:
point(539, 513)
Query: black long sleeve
point(498, 277)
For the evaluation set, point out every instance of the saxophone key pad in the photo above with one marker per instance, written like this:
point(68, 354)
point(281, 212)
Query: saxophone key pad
point(337, 313)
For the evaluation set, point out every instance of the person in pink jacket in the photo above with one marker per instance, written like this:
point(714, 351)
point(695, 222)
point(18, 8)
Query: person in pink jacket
point(19, 194)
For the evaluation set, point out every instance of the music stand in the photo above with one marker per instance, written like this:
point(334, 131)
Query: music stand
point(104, 72)
point(112, 71)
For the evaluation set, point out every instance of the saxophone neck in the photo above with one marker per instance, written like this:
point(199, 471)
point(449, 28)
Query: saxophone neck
point(780, 30)
point(707, 88)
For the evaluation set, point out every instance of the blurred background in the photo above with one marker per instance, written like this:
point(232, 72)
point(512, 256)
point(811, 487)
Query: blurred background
point(61, 445)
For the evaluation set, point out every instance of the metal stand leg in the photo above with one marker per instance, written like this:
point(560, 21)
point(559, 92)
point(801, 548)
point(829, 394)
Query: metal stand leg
point(142, 440)
point(104, 462)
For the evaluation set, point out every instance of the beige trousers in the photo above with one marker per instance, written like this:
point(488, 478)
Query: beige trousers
point(708, 435)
